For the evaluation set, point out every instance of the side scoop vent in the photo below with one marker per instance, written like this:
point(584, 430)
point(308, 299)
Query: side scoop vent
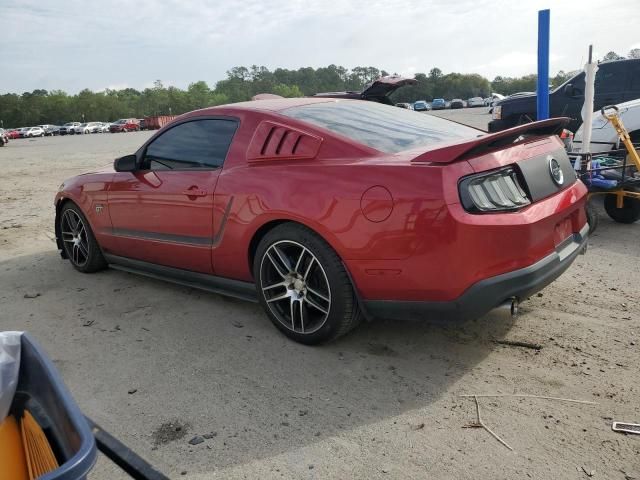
point(274, 141)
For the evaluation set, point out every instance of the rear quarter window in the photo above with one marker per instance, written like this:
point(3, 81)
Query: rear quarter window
point(386, 128)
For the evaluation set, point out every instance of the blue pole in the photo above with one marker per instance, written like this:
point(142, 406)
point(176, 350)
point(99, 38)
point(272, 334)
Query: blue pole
point(543, 64)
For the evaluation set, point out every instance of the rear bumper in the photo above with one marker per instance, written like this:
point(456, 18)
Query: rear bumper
point(486, 294)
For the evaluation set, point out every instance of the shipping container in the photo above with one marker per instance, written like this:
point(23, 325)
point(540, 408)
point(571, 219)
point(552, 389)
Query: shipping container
point(158, 121)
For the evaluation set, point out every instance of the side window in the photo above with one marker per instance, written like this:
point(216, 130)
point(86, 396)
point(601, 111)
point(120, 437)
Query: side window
point(610, 80)
point(194, 144)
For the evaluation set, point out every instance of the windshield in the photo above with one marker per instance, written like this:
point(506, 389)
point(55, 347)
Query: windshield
point(573, 80)
point(120, 121)
point(379, 126)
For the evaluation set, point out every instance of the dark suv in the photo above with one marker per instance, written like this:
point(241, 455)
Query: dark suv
point(616, 82)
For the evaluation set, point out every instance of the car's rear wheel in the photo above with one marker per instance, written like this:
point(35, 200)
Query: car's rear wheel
point(630, 211)
point(78, 241)
point(303, 285)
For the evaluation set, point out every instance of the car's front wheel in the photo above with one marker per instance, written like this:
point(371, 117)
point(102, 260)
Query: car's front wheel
point(79, 243)
point(303, 285)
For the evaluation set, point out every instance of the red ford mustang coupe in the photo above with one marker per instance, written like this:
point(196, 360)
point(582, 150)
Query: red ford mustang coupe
point(328, 211)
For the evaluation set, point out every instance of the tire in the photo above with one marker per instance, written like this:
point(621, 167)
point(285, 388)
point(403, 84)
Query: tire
point(592, 218)
point(76, 233)
point(299, 275)
point(629, 213)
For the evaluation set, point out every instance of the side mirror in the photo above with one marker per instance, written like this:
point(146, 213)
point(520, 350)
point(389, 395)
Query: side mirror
point(128, 163)
point(568, 90)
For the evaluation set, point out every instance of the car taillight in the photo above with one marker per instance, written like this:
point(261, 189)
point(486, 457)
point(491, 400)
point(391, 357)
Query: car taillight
point(497, 112)
point(495, 191)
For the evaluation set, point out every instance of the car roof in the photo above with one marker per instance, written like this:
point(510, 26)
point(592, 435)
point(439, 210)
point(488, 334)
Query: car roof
point(273, 105)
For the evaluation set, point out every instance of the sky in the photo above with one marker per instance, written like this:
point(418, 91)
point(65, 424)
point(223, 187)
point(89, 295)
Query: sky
point(76, 44)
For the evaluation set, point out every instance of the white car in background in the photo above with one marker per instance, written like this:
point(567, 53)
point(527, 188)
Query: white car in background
point(30, 132)
point(489, 101)
point(104, 127)
point(90, 127)
point(475, 102)
point(604, 136)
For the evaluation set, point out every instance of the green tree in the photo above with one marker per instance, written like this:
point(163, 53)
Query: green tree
point(634, 53)
point(611, 56)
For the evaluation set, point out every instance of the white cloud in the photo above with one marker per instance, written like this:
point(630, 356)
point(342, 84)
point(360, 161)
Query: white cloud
point(93, 44)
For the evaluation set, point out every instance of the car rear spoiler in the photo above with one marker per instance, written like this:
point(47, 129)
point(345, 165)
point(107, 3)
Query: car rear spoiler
point(482, 144)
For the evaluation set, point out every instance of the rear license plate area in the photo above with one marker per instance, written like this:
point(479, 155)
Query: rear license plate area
point(563, 231)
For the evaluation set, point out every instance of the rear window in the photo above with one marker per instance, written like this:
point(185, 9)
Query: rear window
point(383, 127)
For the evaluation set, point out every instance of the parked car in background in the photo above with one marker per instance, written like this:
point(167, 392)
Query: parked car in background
point(104, 127)
point(94, 127)
point(51, 130)
point(81, 129)
point(489, 101)
point(443, 210)
point(404, 105)
point(438, 104)
point(421, 106)
point(457, 103)
point(377, 91)
point(13, 133)
point(475, 102)
point(616, 82)
point(603, 136)
point(47, 129)
point(125, 125)
point(68, 128)
point(143, 123)
point(30, 132)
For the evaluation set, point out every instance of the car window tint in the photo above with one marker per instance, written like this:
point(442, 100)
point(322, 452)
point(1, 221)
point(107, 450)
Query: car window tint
point(385, 128)
point(609, 80)
point(195, 144)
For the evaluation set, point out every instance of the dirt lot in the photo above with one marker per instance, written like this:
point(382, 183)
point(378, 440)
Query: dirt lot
point(384, 402)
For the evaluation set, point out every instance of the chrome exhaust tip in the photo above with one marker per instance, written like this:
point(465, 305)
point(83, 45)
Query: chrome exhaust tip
point(511, 306)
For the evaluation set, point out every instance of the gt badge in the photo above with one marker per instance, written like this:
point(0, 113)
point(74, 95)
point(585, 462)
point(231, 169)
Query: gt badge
point(99, 208)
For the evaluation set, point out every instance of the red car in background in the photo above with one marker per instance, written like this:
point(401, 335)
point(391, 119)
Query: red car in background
point(13, 134)
point(125, 125)
point(329, 211)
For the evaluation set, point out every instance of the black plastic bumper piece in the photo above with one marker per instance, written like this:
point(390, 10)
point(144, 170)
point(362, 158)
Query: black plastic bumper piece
point(487, 294)
point(498, 125)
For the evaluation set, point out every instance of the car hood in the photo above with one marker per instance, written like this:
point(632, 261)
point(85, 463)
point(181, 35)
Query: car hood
point(385, 86)
point(518, 99)
point(600, 122)
point(104, 169)
point(378, 89)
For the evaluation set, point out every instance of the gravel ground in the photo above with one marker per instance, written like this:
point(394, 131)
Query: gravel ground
point(384, 402)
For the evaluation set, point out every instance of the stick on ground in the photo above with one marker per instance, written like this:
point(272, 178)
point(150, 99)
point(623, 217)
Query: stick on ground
point(515, 343)
point(480, 423)
point(524, 395)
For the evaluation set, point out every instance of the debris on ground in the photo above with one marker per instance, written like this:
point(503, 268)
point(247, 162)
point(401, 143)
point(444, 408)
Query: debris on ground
point(480, 424)
point(517, 343)
point(32, 295)
point(169, 432)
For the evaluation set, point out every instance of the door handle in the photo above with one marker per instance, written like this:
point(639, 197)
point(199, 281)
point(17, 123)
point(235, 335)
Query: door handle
point(195, 192)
